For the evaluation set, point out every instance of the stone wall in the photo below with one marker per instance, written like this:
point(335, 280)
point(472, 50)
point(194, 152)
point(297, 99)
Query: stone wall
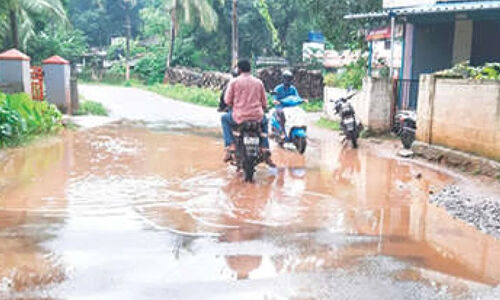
point(309, 83)
point(460, 114)
point(372, 104)
point(194, 77)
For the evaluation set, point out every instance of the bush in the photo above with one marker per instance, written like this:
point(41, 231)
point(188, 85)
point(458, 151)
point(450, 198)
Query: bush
point(91, 108)
point(330, 80)
point(22, 118)
point(151, 68)
point(351, 76)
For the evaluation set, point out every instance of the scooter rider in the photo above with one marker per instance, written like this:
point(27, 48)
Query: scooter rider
point(282, 91)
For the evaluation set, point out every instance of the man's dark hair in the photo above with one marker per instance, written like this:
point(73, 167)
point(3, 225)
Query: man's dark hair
point(244, 66)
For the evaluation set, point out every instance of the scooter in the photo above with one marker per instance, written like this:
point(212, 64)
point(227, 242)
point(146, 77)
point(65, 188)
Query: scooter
point(295, 124)
point(351, 127)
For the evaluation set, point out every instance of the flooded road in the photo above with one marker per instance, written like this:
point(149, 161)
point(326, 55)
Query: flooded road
point(148, 211)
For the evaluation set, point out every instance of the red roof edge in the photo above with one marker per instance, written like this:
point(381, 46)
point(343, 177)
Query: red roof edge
point(55, 60)
point(14, 54)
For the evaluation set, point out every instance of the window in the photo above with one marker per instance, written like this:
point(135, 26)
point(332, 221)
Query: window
point(387, 44)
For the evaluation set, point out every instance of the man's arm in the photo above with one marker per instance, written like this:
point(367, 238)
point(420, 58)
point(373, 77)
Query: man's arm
point(263, 96)
point(229, 99)
point(295, 92)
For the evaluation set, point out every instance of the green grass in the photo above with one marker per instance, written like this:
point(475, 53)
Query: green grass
point(314, 105)
point(196, 95)
point(328, 124)
point(88, 107)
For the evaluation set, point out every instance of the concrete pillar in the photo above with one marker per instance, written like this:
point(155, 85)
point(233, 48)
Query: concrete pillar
point(425, 108)
point(462, 44)
point(57, 82)
point(15, 71)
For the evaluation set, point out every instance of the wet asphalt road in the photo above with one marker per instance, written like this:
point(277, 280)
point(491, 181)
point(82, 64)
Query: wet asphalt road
point(146, 210)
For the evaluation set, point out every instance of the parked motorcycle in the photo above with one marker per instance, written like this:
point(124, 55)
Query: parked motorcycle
point(351, 127)
point(295, 124)
point(405, 126)
point(248, 155)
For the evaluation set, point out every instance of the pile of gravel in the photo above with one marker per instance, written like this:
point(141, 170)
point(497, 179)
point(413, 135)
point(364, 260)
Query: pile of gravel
point(480, 211)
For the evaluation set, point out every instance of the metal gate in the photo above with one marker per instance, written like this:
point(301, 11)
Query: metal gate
point(37, 83)
point(406, 93)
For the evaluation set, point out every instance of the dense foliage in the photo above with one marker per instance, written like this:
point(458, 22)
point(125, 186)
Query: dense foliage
point(351, 76)
point(203, 29)
point(22, 118)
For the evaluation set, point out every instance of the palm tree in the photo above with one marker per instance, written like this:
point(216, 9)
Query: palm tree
point(128, 4)
point(235, 36)
point(188, 10)
point(20, 12)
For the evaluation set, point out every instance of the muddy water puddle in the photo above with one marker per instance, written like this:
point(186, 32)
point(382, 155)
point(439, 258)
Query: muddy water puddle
point(130, 212)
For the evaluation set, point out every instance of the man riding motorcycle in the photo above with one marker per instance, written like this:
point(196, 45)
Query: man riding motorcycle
point(246, 96)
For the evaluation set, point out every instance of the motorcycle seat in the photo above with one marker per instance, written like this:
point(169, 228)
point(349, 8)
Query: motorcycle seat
point(249, 126)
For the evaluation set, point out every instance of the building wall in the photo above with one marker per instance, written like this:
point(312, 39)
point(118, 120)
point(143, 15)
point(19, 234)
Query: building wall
point(433, 48)
point(485, 43)
point(431, 51)
point(462, 44)
point(460, 114)
point(372, 104)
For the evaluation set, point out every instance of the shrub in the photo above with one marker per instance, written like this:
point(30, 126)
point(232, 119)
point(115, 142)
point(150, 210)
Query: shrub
point(465, 71)
point(151, 68)
point(330, 80)
point(21, 118)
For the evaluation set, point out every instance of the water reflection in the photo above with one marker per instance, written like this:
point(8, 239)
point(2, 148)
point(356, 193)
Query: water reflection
point(327, 212)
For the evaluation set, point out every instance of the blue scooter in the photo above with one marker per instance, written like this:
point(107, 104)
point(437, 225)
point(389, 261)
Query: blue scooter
point(289, 123)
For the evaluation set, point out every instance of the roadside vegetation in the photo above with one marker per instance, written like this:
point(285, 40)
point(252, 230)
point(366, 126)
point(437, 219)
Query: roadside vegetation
point(196, 95)
point(328, 124)
point(93, 108)
point(490, 71)
point(21, 119)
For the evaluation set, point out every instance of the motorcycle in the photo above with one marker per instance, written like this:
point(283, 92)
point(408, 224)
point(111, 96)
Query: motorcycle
point(248, 155)
point(351, 127)
point(295, 124)
point(405, 126)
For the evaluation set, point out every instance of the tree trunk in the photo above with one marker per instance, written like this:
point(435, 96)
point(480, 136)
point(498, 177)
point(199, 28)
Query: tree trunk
point(128, 25)
point(235, 47)
point(14, 27)
point(173, 25)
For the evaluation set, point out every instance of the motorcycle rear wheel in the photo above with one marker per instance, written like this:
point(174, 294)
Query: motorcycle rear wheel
point(354, 139)
point(249, 168)
point(300, 144)
point(407, 138)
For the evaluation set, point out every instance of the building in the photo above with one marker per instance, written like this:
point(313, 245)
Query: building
point(379, 40)
point(439, 34)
